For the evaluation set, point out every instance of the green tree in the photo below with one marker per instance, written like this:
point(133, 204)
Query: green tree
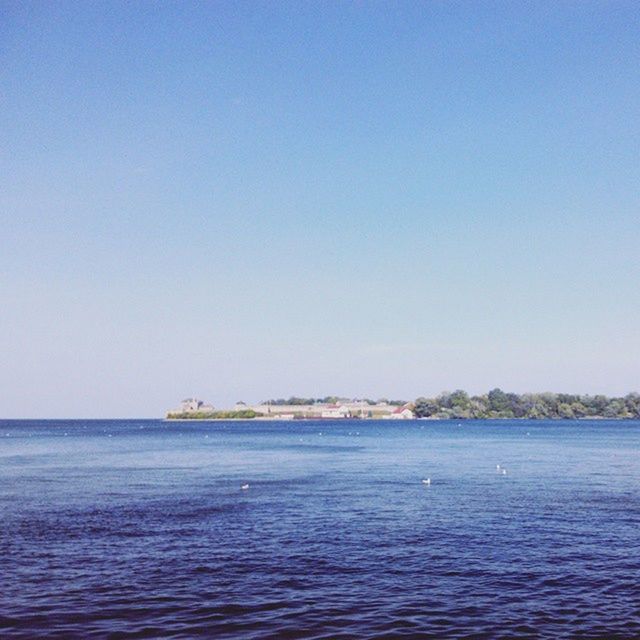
point(498, 400)
point(565, 411)
point(424, 408)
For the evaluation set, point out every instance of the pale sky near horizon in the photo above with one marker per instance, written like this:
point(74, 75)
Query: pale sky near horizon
point(245, 200)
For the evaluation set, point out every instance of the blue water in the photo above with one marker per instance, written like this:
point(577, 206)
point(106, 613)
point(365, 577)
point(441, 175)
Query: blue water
point(140, 529)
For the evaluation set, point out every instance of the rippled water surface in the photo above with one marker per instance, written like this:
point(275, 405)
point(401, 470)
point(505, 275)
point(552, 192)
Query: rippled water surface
point(133, 529)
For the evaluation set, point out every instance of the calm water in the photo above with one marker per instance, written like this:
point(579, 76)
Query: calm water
point(135, 529)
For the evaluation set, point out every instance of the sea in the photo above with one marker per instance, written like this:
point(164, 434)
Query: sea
point(300, 529)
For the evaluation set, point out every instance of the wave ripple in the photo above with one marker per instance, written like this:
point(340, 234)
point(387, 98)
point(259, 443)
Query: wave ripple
point(148, 534)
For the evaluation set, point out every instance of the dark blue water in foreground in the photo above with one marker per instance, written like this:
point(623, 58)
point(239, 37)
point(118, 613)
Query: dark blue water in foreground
point(138, 529)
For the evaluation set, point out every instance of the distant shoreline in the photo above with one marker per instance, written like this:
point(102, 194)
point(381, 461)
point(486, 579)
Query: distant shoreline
point(429, 419)
point(457, 405)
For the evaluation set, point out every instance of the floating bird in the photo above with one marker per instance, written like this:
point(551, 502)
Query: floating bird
point(498, 467)
point(504, 472)
point(244, 487)
point(427, 481)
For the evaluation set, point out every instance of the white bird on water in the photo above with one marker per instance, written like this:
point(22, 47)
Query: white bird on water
point(244, 487)
point(498, 467)
point(427, 481)
point(504, 472)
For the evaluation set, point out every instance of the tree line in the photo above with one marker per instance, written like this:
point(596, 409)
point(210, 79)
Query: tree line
point(243, 414)
point(533, 406)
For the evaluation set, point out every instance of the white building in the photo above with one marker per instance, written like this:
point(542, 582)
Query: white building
point(336, 411)
point(400, 413)
point(191, 405)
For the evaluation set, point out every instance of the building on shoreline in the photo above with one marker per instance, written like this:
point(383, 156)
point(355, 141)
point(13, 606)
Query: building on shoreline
point(338, 410)
point(400, 413)
point(317, 411)
point(193, 405)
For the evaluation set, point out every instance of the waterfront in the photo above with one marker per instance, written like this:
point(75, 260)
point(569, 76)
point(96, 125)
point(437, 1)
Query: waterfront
point(141, 529)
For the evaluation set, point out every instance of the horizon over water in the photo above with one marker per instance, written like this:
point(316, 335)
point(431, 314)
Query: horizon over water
point(141, 529)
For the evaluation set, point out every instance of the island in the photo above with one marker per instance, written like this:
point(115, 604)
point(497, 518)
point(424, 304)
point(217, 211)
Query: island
point(459, 405)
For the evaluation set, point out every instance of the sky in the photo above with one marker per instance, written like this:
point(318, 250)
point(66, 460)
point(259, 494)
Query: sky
point(247, 200)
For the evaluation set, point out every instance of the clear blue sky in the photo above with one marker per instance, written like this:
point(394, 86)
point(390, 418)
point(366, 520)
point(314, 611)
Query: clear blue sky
point(248, 200)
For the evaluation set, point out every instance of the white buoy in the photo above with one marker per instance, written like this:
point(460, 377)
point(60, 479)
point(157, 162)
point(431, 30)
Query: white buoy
point(244, 487)
point(427, 481)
